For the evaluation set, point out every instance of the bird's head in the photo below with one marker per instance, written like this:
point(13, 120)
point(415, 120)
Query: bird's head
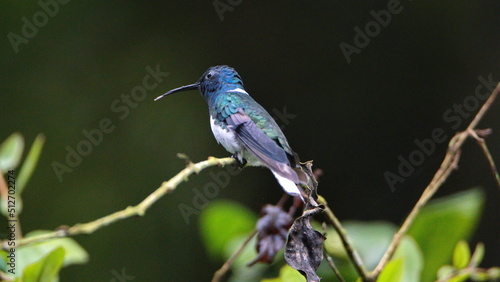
point(214, 80)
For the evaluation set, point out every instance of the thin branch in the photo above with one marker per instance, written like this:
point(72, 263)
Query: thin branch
point(4, 195)
point(350, 250)
point(329, 259)
point(447, 166)
point(4, 191)
point(335, 222)
point(227, 265)
point(476, 273)
point(5, 277)
point(486, 151)
point(140, 209)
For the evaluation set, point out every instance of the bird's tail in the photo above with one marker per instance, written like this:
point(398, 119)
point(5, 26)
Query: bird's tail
point(289, 178)
point(288, 185)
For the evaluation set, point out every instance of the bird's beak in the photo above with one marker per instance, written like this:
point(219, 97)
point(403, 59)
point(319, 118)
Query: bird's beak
point(182, 88)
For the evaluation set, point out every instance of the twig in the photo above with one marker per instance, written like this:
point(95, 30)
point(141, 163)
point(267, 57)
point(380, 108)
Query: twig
point(4, 195)
point(140, 209)
point(486, 151)
point(227, 265)
point(5, 277)
point(474, 274)
point(329, 259)
point(447, 166)
point(4, 191)
point(350, 250)
point(335, 222)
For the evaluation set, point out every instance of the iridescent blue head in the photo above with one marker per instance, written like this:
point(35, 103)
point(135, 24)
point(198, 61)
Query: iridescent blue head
point(218, 79)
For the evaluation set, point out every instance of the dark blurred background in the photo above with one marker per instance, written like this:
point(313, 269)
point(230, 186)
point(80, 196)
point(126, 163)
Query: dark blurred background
point(353, 119)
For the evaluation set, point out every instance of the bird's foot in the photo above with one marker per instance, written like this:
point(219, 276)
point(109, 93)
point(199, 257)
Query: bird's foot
point(238, 164)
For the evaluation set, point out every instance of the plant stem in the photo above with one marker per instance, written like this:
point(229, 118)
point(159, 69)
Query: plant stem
point(140, 209)
point(447, 166)
point(350, 250)
point(487, 154)
point(227, 265)
point(335, 222)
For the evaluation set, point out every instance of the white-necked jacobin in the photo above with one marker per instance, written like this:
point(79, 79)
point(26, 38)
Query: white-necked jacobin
point(245, 128)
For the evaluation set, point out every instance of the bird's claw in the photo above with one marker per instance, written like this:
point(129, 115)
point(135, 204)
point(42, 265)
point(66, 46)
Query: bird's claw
point(238, 164)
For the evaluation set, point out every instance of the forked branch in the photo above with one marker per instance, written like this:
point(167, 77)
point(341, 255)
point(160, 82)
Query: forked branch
point(447, 166)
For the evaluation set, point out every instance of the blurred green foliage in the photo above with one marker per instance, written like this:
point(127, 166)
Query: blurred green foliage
point(435, 238)
point(47, 269)
point(393, 271)
point(223, 221)
point(40, 261)
point(443, 223)
point(11, 151)
point(466, 267)
point(431, 242)
point(353, 119)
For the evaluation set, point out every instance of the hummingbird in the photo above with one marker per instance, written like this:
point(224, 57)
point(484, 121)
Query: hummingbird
point(245, 129)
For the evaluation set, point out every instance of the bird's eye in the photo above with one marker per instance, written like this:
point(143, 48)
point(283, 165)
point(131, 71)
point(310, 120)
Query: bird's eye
point(209, 75)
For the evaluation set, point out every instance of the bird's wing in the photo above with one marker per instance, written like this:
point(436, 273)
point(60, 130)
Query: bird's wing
point(258, 132)
point(253, 137)
point(265, 149)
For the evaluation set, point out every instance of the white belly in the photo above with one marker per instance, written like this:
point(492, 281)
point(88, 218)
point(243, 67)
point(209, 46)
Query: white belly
point(227, 138)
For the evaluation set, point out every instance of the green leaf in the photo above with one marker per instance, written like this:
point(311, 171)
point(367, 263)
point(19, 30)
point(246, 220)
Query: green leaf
point(11, 151)
point(223, 221)
point(393, 272)
point(441, 224)
point(412, 258)
point(47, 269)
point(247, 255)
point(480, 276)
point(53, 264)
point(459, 278)
point(445, 271)
point(30, 163)
point(287, 274)
point(240, 272)
point(461, 255)
point(370, 239)
point(478, 255)
point(494, 273)
point(27, 255)
point(3, 261)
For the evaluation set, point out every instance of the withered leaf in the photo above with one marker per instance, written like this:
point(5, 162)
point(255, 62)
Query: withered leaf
point(273, 228)
point(304, 249)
